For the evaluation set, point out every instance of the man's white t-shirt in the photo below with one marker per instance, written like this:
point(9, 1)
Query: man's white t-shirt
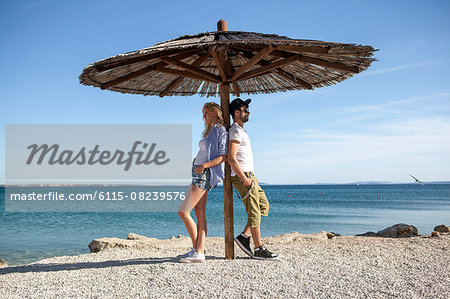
point(244, 154)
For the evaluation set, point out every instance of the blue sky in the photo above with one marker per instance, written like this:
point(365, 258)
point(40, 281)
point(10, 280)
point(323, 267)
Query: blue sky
point(382, 125)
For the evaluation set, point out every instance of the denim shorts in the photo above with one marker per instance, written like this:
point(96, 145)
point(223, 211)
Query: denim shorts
point(202, 180)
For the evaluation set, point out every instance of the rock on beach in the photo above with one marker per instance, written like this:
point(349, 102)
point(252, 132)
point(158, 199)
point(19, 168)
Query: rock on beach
point(442, 229)
point(134, 241)
point(3, 263)
point(397, 230)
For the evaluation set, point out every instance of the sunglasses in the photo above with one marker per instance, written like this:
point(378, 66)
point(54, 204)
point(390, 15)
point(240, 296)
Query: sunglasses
point(245, 110)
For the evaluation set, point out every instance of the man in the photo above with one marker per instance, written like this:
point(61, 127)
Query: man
point(240, 158)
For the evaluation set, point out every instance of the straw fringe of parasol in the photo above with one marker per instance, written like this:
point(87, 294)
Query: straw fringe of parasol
point(258, 63)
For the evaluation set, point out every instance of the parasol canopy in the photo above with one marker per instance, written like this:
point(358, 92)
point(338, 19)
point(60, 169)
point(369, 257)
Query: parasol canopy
point(250, 62)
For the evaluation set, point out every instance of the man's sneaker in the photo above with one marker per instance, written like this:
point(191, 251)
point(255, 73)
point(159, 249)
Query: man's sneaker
point(193, 258)
point(244, 244)
point(264, 254)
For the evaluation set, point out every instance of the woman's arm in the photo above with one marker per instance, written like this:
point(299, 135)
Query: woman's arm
point(222, 140)
point(212, 163)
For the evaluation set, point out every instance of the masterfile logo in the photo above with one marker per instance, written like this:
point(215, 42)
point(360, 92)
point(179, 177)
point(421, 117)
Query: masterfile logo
point(53, 155)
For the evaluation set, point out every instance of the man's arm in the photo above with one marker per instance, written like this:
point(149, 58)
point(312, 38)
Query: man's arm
point(233, 146)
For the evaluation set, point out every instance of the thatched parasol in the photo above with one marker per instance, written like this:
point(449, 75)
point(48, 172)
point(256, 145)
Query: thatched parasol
point(220, 62)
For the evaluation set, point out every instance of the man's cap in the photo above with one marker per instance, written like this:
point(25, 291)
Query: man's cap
point(237, 103)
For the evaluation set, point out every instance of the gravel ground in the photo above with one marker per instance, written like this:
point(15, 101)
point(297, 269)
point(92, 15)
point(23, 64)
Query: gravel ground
point(311, 266)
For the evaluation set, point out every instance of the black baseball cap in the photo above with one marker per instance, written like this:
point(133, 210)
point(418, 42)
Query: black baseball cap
point(237, 103)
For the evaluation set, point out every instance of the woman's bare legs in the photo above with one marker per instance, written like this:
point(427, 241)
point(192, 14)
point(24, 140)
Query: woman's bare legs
point(194, 197)
point(200, 213)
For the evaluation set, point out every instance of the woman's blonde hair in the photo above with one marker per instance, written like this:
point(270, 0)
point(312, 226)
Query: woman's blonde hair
point(213, 107)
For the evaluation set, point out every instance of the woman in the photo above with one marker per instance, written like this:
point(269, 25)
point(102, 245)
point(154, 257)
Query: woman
point(207, 172)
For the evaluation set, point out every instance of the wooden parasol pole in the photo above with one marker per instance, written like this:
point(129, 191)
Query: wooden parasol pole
point(224, 90)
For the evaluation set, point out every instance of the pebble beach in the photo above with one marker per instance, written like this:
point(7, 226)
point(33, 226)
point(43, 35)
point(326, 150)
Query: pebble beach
point(310, 266)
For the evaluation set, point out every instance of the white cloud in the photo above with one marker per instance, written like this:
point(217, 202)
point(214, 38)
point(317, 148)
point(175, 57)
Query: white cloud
point(387, 151)
point(417, 99)
point(404, 67)
point(433, 104)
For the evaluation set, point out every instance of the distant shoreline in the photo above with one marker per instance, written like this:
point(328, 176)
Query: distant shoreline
point(261, 183)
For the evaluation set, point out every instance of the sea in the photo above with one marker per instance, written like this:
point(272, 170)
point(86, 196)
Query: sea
point(26, 237)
